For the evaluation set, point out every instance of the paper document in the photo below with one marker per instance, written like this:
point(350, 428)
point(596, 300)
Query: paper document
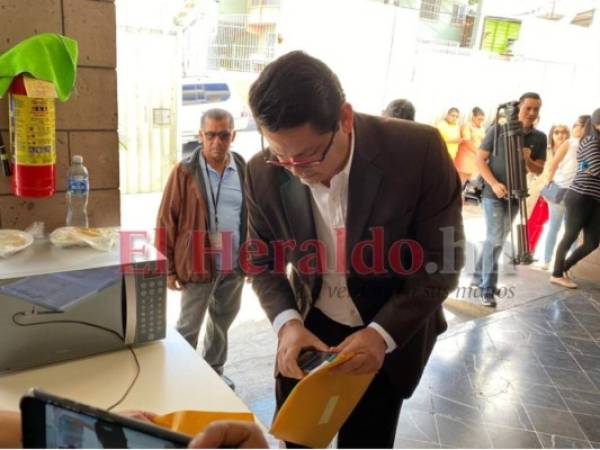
point(193, 422)
point(319, 405)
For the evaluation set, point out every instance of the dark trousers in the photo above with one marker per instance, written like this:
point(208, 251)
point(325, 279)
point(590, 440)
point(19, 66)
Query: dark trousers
point(373, 422)
point(583, 213)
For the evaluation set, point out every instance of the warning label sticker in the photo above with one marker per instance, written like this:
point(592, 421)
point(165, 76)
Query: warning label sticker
point(32, 130)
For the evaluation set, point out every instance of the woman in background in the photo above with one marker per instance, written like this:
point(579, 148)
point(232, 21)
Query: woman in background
point(559, 134)
point(537, 206)
point(450, 131)
point(472, 133)
point(582, 202)
point(561, 171)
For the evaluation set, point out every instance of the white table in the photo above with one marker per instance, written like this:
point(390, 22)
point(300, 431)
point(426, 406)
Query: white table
point(173, 377)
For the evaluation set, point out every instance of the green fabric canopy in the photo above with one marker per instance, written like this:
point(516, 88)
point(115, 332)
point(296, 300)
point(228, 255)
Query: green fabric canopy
point(48, 57)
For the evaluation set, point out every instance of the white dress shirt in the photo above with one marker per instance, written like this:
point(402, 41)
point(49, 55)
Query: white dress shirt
point(330, 205)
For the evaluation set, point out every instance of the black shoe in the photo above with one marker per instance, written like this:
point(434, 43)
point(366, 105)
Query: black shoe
point(228, 382)
point(488, 300)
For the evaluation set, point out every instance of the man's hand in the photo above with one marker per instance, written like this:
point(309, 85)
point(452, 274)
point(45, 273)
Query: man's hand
point(173, 283)
point(499, 189)
point(230, 434)
point(533, 166)
point(368, 348)
point(293, 337)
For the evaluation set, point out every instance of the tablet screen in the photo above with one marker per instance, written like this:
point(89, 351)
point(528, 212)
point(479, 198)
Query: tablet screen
point(69, 429)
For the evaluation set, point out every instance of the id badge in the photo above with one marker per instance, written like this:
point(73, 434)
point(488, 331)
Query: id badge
point(216, 240)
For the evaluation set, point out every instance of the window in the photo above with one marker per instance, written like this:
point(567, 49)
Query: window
point(237, 46)
point(499, 34)
point(430, 9)
point(459, 13)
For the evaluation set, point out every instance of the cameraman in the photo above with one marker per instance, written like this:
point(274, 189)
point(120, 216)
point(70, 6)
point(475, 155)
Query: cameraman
point(492, 167)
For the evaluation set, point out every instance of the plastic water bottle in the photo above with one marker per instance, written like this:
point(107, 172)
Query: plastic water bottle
point(78, 187)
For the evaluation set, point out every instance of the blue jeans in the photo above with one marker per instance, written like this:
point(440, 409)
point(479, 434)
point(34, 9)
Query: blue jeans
point(497, 224)
point(557, 215)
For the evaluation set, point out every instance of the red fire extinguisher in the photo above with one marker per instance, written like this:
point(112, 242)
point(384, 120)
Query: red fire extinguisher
point(32, 120)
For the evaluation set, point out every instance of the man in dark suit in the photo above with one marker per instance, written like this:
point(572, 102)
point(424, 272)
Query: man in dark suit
point(367, 211)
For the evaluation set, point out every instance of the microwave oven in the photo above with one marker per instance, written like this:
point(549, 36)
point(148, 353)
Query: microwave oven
point(58, 304)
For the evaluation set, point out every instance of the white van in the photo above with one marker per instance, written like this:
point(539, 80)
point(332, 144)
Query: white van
point(199, 95)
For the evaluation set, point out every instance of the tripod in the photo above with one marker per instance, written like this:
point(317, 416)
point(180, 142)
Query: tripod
point(511, 133)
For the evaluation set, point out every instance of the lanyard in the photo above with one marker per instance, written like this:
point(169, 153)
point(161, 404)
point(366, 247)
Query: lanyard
point(215, 201)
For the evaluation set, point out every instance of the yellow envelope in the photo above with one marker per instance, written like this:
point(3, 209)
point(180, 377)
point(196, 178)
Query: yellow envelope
point(193, 422)
point(319, 405)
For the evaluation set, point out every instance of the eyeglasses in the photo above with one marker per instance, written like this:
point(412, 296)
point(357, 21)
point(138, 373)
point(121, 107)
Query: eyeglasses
point(223, 135)
point(269, 155)
point(560, 132)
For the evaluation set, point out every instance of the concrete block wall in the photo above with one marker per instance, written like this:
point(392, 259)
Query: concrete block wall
point(87, 123)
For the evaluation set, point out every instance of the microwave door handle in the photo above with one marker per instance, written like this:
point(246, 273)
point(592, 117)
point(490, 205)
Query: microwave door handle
point(130, 308)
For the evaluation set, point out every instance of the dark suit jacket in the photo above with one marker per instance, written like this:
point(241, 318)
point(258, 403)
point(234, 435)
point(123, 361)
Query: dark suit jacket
point(402, 180)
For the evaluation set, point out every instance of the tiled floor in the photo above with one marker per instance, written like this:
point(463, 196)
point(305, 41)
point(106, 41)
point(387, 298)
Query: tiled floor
point(524, 378)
